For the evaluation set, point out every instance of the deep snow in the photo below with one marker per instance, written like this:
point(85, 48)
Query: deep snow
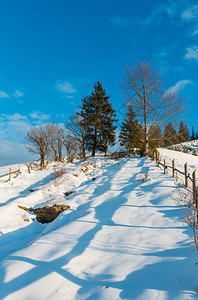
point(121, 239)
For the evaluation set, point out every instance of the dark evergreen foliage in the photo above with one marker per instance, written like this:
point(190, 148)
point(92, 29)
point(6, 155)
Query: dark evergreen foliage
point(98, 118)
point(130, 134)
point(193, 136)
point(170, 135)
point(155, 137)
point(183, 133)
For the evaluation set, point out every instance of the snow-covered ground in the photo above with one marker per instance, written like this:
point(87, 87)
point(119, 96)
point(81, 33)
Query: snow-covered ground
point(121, 239)
point(190, 147)
point(180, 159)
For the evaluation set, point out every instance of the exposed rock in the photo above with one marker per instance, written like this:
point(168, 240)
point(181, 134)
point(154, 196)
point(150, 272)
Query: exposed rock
point(31, 190)
point(94, 178)
point(68, 193)
point(46, 214)
point(26, 220)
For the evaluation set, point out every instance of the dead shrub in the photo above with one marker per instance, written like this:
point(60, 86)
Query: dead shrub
point(85, 169)
point(58, 173)
point(143, 177)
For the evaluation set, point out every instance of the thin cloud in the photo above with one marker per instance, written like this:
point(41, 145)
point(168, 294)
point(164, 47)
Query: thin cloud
point(3, 95)
point(17, 94)
point(179, 86)
point(120, 22)
point(190, 13)
point(158, 13)
point(66, 88)
point(38, 118)
point(192, 53)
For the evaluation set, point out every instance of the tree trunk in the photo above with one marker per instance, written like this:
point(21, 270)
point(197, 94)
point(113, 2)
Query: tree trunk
point(60, 150)
point(94, 144)
point(42, 161)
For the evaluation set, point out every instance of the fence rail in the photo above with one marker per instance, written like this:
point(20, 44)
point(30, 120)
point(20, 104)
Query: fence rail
point(188, 177)
point(10, 173)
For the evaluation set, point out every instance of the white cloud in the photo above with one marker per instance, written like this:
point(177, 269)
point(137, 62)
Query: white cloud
point(12, 152)
point(179, 86)
point(66, 88)
point(192, 53)
point(13, 127)
point(190, 13)
point(3, 95)
point(38, 117)
point(17, 94)
point(121, 22)
point(158, 12)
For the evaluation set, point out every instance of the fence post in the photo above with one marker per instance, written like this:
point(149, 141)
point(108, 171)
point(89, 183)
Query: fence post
point(28, 166)
point(165, 167)
point(158, 160)
point(9, 175)
point(173, 166)
point(194, 179)
point(153, 155)
point(195, 192)
point(19, 169)
point(186, 175)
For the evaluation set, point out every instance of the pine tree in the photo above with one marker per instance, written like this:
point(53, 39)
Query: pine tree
point(181, 132)
point(170, 135)
point(130, 134)
point(155, 137)
point(193, 136)
point(187, 134)
point(98, 118)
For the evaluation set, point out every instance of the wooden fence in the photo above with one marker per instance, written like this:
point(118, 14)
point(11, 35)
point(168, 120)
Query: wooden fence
point(188, 177)
point(9, 174)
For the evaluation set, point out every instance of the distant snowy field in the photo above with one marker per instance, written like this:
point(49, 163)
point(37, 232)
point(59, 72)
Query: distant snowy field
point(190, 147)
point(122, 238)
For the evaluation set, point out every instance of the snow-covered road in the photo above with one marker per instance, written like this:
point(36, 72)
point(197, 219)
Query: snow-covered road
point(121, 239)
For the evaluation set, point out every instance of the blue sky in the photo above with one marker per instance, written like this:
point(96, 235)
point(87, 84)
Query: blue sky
point(52, 53)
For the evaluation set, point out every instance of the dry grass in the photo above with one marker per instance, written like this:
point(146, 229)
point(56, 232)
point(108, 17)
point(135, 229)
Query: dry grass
point(58, 173)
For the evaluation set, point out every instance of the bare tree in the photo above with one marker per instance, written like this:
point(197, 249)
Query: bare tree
point(76, 129)
point(185, 198)
point(56, 136)
point(71, 146)
point(153, 106)
point(38, 142)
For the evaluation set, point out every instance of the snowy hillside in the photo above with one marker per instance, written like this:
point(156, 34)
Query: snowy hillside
point(122, 237)
point(186, 147)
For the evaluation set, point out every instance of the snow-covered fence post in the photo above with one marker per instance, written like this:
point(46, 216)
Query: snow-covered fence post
point(186, 175)
point(165, 167)
point(173, 166)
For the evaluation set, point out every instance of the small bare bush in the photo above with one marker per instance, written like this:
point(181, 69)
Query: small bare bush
point(58, 173)
point(185, 199)
point(143, 177)
point(85, 169)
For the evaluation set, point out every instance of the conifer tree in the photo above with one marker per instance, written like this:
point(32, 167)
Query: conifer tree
point(193, 136)
point(170, 135)
point(155, 137)
point(98, 118)
point(130, 134)
point(187, 134)
point(181, 133)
